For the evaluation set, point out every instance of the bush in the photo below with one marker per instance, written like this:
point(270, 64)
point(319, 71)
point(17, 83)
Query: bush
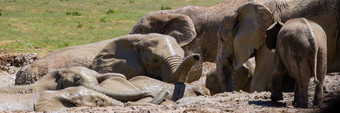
point(132, 1)
point(75, 13)
point(0, 12)
point(165, 7)
point(80, 26)
point(103, 19)
point(68, 13)
point(110, 11)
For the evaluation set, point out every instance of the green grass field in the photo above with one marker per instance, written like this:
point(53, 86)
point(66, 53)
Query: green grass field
point(45, 25)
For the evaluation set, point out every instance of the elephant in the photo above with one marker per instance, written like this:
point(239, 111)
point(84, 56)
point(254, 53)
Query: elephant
point(67, 57)
point(76, 76)
point(54, 100)
point(90, 56)
point(242, 78)
point(301, 50)
point(242, 36)
point(176, 90)
point(194, 28)
point(155, 55)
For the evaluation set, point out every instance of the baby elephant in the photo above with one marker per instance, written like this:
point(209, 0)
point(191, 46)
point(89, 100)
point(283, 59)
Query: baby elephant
point(55, 100)
point(301, 50)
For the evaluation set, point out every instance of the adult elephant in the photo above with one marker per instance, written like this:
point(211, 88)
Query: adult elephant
point(194, 28)
point(54, 100)
point(242, 35)
point(154, 55)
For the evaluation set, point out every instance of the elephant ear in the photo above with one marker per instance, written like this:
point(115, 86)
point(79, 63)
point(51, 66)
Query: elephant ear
point(178, 26)
point(271, 35)
point(250, 25)
point(120, 56)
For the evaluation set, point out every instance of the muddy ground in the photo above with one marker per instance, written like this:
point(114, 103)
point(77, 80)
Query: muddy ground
point(237, 101)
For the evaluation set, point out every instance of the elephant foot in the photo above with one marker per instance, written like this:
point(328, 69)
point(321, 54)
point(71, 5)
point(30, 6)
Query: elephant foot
point(300, 105)
point(276, 97)
point(318, 104)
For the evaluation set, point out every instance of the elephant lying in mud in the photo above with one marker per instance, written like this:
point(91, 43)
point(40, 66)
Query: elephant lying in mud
point(155, 55)
point(76, 76)
point(53, 100)
point(176, 90)
point(242, 35)
point(301, 50)
point(67, 57)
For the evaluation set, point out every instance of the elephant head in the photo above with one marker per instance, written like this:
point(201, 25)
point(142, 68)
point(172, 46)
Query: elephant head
point(76, 76)
point(246, 33)
point(72, 97)
point(55, 100)
point(272, 33)
point(154, 55)
point(178, 26)
point(240, 38)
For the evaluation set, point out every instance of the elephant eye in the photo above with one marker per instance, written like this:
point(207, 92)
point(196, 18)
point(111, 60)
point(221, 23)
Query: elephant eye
point(155, 61)
point(229, 60)
point(76, 78)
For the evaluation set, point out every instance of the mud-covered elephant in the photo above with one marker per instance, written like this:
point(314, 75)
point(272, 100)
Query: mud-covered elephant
point(301, 50)
point(154, 55)
point(76, 76)
point(97, 56)
point(241, 79)
point(176, 90)
point(242, 35)
point(194, 28)
point(67, 57)
point(54, 100)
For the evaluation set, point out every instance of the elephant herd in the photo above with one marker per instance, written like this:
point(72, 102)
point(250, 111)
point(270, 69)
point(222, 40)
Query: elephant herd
point(254, 45)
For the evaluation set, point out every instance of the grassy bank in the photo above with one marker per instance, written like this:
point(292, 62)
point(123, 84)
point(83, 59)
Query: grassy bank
point(46, 25)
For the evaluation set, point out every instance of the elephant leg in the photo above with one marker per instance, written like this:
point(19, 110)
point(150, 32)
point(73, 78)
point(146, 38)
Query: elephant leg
point(302, 75)
point(279, 72)
point(301, 91)
point(321, 72)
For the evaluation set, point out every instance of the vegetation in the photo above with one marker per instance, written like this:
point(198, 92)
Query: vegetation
point(46, 25)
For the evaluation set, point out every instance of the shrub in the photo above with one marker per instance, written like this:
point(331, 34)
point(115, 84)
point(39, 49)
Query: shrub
point(80, 25)
point(110, 11)
point(103, 19)
point(165, 7)
point(68, 13)
point(74, 13)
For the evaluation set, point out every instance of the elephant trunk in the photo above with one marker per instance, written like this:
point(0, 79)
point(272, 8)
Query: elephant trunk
point(179, 70)
point(121, 96)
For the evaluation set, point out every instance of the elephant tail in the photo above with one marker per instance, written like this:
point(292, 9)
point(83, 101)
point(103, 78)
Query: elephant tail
point(314, 50)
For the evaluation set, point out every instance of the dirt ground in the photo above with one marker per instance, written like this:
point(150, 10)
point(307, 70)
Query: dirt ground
point(237, 101)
